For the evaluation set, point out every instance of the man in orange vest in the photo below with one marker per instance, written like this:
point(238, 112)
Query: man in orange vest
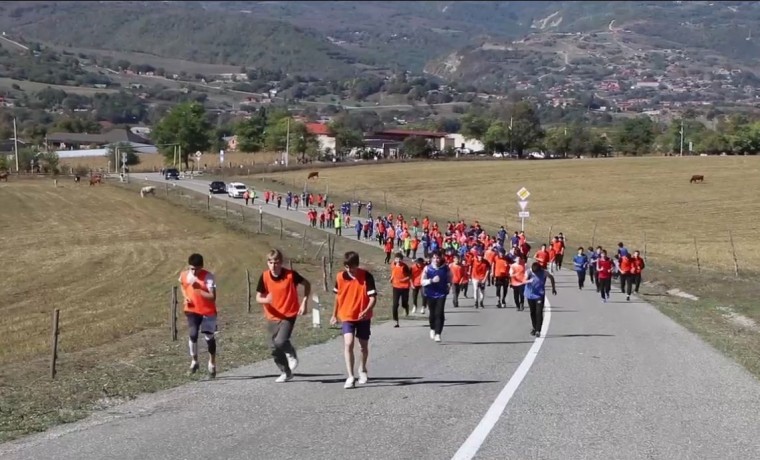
point(277, 291)
point(199, 290)
point(355, 298)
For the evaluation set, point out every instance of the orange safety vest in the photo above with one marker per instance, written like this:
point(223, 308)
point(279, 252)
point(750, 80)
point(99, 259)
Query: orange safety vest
point(198, 304)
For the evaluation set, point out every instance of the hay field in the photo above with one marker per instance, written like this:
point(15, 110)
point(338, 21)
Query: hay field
point(634, 200)
point(154, 162)
point(107, 259)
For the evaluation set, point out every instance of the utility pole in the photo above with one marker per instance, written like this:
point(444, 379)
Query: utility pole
point(287, 144)
point(510, 136)
point(15, 144)
point(681, 136)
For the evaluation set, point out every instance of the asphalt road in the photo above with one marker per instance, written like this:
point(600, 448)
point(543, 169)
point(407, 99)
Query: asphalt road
point(610, 381)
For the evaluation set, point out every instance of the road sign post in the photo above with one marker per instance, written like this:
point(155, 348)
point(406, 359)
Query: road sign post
point(523, 194)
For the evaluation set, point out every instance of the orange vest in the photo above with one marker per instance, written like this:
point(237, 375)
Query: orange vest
point(500, 268)
point(198, 304)
point(542, 257)
point(400, 276)
point(285, 304)
point(625, 265)
point(417, 274)
point(517, 271)
point(479, 270)
point(352, 295)
point(457, 273)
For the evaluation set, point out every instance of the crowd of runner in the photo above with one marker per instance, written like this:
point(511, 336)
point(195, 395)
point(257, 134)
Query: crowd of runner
point(445, 261)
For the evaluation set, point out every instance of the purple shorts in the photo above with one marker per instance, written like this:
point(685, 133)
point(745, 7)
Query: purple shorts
point(360, 329)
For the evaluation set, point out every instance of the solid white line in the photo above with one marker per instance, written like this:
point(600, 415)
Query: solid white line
point(473, 443)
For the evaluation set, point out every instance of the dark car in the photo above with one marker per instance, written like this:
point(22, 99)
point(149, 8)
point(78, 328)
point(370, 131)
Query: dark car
point(217, 187)
point(171, 173)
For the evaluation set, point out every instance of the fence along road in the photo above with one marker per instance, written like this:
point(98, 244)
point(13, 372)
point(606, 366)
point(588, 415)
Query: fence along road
point(618, 380)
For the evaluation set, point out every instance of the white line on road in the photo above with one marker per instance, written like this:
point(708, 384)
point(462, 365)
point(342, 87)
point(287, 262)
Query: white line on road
point(471, 446)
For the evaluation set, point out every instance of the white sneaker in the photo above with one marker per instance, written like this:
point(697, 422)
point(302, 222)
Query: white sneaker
point(437, 338)
point(422, 312)
point(432, 334)
point(292, 361)
point(284, 378)
point(194, 367)
point(363, 377)
point(350, 383)
point(414, 310)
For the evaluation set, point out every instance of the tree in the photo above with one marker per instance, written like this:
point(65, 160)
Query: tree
point(123, 147)
point(250, 133)
point(48, 162)
point(496, 138)
point(300, 140)
point(78, 125)
point(186, 125)
point(557, 141)
point(636, 136)
point(526, 128)
point(346, 139)
point(474, 126)
point(416, 147)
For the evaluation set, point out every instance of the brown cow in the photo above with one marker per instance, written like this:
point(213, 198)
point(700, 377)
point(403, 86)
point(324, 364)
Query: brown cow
point(96, 180)
point(4, 176)
point(697, 178)
point(313, 174)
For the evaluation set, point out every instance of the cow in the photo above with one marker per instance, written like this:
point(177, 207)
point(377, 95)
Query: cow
point(4, 176)
point(77, 179)
point(697, 178)
point(149, 190)
point(313, 174)
point(96, 180)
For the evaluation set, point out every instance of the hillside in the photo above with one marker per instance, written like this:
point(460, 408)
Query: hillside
point(163, 29)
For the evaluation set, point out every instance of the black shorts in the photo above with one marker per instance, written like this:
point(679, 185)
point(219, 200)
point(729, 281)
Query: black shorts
point(503, 282)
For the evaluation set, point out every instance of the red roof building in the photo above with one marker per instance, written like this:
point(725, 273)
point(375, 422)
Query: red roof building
point(318, 129)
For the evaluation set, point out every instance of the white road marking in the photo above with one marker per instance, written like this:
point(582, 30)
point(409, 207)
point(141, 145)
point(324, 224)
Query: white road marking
point(470, 448)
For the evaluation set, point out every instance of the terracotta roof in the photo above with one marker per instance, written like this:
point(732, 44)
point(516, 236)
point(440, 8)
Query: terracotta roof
point(318, 129)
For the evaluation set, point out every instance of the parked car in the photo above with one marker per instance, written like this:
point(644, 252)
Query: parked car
point(217, 187)
point(236, 189)
point(171, 173)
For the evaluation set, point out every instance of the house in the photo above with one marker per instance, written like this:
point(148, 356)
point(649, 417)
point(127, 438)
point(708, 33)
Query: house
point(437, 139)
point(324, 136)
point(461, 142)
point(75, 141)
point(7, 146)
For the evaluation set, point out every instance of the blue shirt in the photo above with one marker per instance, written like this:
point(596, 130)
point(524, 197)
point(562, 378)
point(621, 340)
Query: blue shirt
point(581, 262)
point(536, 287)
point(441, 288)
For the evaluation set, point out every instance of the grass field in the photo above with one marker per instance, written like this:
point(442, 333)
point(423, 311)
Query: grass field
point(6, 84)
point(648, 203)
point(154, 162)
point(107, 259)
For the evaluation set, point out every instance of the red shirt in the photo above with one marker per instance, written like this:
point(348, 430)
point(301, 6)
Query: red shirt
point(604, 268)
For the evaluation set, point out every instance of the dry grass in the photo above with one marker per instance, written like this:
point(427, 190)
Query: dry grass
point(33, 86)
point(107, 259)
point(648, 203)
point(630, 200)
point(151, 162)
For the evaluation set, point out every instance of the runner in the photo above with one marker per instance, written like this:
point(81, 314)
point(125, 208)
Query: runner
point(637, 264)
point(478, 273)
point(517, 279)
point(355, 297)
point(604, 275)
point(501, 278)
point(277, 291)
point(436, 281)
point(401, 281)
point(535, 292)
point(458, 278)
point(626, 279)
point(417, 268)
point(580, 263)
point(199, 290)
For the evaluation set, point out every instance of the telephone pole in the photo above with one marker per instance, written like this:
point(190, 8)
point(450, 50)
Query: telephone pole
point(681, 136)
point(15, 145)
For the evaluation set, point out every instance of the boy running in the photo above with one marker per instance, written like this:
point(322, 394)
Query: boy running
point(277, 291)
point(535, 292)
point(355, 297)
point(199, 290)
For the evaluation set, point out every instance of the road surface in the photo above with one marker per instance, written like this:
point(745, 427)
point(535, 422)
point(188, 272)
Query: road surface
point(608, 381)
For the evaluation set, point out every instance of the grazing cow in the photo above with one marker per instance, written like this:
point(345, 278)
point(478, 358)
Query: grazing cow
point(697, 178)
point(4, 176)
point(149, 190)
point(96, 180)
point(77, 178)
point(313, 174)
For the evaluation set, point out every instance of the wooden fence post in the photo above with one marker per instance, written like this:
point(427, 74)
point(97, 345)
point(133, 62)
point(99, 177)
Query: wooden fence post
point(225, 209)
point(733, 251)
point(303, 239)
point(290, 263)
point(551, 227)
point(173, 312)
point(54, 354)
point(593, 236)
point(166, 187)
point(645, 246)
point(208, 203)
point(420, 209)
point(261, 221)
point(696, 251)
point(242, 212)
point(248, 289)
point(324, 272)
point(280, 227)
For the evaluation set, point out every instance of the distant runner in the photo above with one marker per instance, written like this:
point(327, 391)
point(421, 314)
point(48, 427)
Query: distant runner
point(535, 292)
point(436, 281)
